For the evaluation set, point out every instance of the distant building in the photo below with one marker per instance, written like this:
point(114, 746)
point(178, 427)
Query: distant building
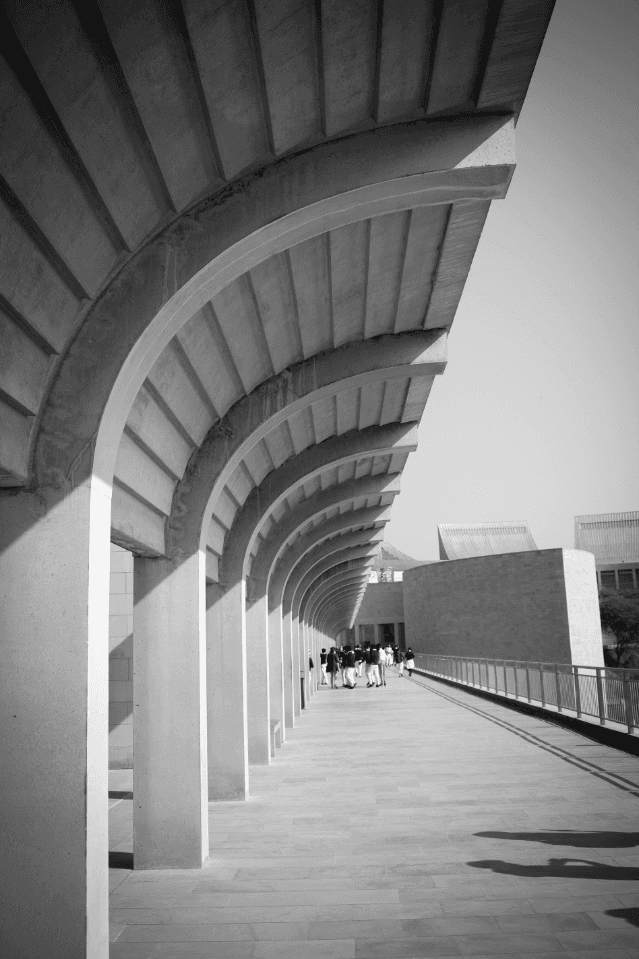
point(614, 540)
point(380, 615)
point(390, 564)
point(465, 540)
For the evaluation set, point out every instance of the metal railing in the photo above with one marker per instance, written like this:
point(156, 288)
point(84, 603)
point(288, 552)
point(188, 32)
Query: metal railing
point(609, 695)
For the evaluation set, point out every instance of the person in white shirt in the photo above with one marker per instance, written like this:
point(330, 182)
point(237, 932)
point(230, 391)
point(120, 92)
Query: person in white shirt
point(382, 665)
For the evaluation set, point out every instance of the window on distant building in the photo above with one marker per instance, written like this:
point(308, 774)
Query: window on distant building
point(626, 579)
point(398, 576)
point(608, 580)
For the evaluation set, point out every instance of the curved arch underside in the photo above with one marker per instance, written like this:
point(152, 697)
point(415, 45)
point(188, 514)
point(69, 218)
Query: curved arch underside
point(171, 266)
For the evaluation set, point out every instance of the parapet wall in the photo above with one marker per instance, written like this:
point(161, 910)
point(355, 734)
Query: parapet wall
point(536, 605)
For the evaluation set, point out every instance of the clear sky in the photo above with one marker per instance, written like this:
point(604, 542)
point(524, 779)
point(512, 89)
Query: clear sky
point(537, 414)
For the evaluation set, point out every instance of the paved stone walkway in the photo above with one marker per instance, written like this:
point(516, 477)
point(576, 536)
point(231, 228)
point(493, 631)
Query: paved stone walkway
point(408, 821)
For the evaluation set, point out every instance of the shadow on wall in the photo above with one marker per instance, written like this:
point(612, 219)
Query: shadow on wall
point(121, 705)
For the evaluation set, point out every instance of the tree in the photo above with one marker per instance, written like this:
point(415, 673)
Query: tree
point(620, 616)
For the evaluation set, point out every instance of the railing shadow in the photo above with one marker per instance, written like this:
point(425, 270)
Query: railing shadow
point(630, 915)
point(567, 868)
point(591, 840)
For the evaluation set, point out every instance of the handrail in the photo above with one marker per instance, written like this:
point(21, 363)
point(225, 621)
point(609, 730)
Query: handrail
point(609, 695)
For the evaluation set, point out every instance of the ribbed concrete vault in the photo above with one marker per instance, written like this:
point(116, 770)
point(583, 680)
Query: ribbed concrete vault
point(234, 238)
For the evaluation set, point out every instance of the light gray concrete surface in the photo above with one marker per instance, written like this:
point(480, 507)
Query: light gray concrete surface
point(536, 606)
point(405, 822)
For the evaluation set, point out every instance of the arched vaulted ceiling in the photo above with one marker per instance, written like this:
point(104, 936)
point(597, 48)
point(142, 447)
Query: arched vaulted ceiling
point(120, 117)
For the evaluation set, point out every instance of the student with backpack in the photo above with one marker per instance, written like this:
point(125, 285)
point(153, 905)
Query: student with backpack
point(323, 658)
point(410, 661)
point(359, 659)
point(332, 665)
point(371, 656)
point(349, 671)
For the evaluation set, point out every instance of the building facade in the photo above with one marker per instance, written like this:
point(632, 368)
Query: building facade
point(613, 539)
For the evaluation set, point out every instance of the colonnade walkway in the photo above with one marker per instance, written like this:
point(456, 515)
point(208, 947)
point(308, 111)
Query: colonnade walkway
point(407, 821)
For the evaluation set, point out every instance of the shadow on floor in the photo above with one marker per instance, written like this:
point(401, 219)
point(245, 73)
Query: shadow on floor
point(120, 860)
point(630, 915)
point(590, 840)
point(560, 869)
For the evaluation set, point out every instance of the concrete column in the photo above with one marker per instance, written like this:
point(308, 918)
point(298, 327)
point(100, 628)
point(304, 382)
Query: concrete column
point(170, 809)
point(257, 682)
point(297, 665)
point(54, 609)
point(227, 736)
point(289, 672)
point(276, 667)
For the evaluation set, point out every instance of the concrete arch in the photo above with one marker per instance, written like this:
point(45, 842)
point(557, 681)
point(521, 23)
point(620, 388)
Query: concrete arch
point(340, 590)
point(226, 606)
point(276, 542)
point(264, 624)
point(283, 620)
point(305, 552)
point(317, 567)
point(327, 607)
point(258, 643)
point(323, 586)
point(366, 174)
point(275, 401)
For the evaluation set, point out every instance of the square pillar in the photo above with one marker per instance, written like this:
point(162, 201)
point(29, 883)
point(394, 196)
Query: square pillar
point(170, 807)
point(276, 667)
point(257, 683)
point(227, 736)
point(289, 672)
point(54, 609)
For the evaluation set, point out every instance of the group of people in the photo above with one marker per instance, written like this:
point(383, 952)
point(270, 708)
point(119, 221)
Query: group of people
point(373, 659)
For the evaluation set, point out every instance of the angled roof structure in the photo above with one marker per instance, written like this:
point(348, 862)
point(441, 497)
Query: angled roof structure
point(389, 557)
point(612, 537)
point(463, 540)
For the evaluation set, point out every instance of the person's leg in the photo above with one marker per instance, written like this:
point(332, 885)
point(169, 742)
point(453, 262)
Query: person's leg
point(382, 673)
point(324, 680)
point(400, 666)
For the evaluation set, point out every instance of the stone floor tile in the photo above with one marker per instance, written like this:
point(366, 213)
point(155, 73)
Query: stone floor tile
point(466, 835)
point(406, 948)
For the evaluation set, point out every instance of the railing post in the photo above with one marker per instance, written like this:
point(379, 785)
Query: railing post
point(600, 698)
point(627, 699)
point(557, 687)
point(528, 683)
point(496, 680)
point(541, 683)
point(575, 672)
point(516, 680)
